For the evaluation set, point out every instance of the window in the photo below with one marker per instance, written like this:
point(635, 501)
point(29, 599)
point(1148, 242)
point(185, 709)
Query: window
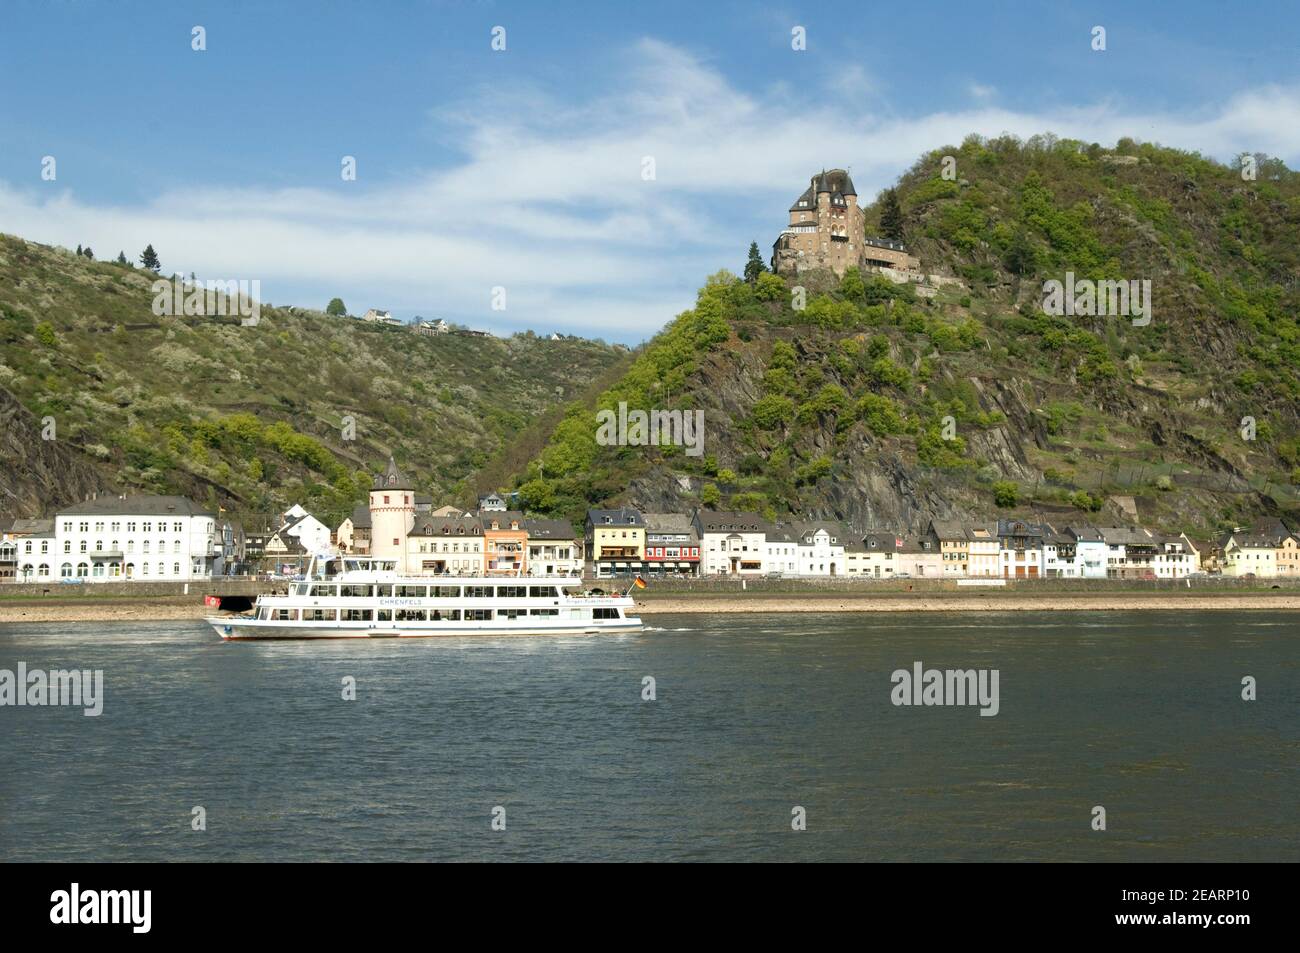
point(478, 615)
point(65, 570)
point(83, 545)
point(410, 592)
point(67, 545)
point(604, 613)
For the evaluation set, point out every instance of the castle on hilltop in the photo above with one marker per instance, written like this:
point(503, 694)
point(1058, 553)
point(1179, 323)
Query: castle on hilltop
point(828, 230)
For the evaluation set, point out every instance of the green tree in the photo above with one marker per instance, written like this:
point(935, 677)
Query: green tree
point(710, 495)
point(149, 258)
point(1005, 493)
point(337, 308)
point(121, 258)
point(755, 266)
point(891, 215)
point(769, 287)
point(1020, 257)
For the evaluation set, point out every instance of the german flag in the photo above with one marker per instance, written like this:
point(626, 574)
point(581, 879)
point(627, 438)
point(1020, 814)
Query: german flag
point(639, 582)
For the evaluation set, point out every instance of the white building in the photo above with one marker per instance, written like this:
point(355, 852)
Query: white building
point(306, 529)
point(553, 548)
point(821, 550)
point(1090, 552)
point(1176, 558)
point(781, 551)
point(112, 539)
point(731, 543)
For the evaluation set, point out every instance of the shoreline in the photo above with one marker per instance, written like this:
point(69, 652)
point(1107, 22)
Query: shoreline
point(163, 610)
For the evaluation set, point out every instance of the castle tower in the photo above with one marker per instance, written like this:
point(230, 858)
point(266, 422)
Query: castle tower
point(392, 514)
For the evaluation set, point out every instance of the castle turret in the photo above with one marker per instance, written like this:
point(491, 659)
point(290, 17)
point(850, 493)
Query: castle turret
point(392, 514)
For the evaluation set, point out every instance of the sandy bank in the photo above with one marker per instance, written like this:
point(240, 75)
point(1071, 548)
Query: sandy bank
point(922, 603)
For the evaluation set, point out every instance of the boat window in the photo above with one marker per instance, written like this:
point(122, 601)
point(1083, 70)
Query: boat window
point(319, 590)
point(444, 592)
point(287, 615)
point(604, 613)
point(410, 592)
point(542, 592)
point(411, 615)
point(383, 590)
point(544, 612)
point(444, 615)
point(355, 591)
point(319, 615)
point(511, 613)
point(356, 615)
point(384, 615)
point(478, 615)
point(478, 592)
point(512, 592)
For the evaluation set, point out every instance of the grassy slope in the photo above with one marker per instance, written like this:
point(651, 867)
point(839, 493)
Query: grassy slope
point(251, 417)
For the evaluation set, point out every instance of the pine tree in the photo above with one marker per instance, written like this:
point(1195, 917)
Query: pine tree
point(88, 253)
point(755, 266)
point(891, 216)
point(149, 258)
point(121, 258)
point(78, 251)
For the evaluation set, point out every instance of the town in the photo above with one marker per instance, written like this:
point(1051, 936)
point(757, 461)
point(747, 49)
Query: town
point(173, 539)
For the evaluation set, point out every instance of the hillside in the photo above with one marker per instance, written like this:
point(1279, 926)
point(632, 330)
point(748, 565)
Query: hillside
point(837, 410)
point(249, 418)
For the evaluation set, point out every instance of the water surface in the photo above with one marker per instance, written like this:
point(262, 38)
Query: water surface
point(1138, 712)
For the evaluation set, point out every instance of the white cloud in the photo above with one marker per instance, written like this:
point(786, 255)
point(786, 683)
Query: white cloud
point(548, 198)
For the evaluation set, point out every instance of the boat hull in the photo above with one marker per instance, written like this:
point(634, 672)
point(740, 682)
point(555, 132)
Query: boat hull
point(241, 629)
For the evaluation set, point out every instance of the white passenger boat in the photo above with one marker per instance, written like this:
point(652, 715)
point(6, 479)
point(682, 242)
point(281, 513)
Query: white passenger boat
point(358, 597)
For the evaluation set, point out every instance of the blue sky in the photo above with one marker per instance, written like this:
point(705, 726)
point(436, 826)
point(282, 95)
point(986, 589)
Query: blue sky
point(522, 169)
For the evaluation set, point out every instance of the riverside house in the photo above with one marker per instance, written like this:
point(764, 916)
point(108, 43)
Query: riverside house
point(821, 552)
point(1020, 549)
point(505, 543)
point(553, 548)
point(983, 551)
point(732, 542)
point(672, 547)
point(116, 539)
point(952, 546)
point(615, 542)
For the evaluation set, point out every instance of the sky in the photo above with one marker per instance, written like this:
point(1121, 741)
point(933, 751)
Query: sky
point(524, 169)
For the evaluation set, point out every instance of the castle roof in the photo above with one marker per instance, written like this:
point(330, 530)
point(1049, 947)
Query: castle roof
point(393, 479)
point(836, 182)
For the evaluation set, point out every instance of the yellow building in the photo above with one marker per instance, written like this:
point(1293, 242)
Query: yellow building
point(615, 542)
point(982, 550)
